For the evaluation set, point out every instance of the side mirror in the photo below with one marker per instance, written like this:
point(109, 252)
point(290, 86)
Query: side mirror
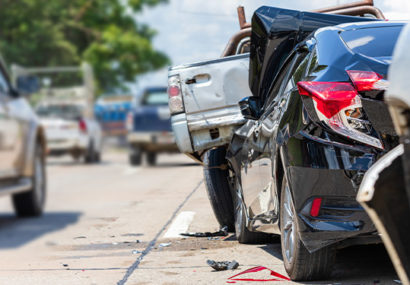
point(250, 107)
point(27, 85)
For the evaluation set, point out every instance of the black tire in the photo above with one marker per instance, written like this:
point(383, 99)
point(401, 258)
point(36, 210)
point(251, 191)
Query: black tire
point(216, 176)
point(300, 264)
point(97, 157)
point(31, 203)
point(151, 158)
point(89, 156)
point(135, 156)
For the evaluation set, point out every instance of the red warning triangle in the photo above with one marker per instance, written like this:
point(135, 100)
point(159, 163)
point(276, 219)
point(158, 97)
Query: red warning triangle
point(273, 276)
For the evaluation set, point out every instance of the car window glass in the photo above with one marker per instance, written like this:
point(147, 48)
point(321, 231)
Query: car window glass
point(159, 97)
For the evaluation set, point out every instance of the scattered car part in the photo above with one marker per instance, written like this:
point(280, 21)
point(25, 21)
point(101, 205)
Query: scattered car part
point(223, 265)
point(221, 233)
point(246, 278)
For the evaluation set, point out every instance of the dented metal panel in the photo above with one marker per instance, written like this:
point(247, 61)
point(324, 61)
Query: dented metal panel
point(211, 91)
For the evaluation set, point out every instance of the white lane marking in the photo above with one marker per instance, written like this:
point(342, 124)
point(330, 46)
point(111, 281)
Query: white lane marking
point(131, 171)
point(180, 225)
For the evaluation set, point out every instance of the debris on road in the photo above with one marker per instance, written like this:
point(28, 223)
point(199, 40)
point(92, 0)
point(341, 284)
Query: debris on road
point(259, 278)
point(136, 251)
point(164, 244)
point(222, 265)
point(80, 237)
point(221, 233)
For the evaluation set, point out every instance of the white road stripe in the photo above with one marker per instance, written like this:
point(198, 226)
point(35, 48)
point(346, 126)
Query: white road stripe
point(180, 225)
point(131, 171)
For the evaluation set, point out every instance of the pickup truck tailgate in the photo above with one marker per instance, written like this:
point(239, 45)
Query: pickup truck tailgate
point(210, 91)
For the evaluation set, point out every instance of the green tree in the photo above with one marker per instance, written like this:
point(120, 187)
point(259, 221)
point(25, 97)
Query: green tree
point(102, 32)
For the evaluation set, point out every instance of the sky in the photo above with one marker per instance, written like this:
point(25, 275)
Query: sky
point(197, 30)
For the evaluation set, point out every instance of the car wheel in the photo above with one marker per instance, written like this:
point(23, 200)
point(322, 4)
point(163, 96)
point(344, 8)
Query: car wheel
point(89, 156)
point(244, 235)
point(32, 203)
point(135, 157)
point(151, 158)
point(299, 263)
point(217, 184)
point(97, 157)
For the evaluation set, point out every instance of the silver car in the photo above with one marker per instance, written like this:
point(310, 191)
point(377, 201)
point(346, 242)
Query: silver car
point(22, 147)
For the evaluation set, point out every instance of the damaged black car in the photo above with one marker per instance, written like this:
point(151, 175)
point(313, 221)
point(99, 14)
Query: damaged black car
point(315, 124)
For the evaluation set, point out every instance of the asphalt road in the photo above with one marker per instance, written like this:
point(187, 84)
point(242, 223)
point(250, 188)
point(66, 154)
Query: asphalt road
point(114, 224)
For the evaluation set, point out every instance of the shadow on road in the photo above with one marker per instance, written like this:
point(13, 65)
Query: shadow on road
point(170, 164)
point(354, 264)
point(15, 232)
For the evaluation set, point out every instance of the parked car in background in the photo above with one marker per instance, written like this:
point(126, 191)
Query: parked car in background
point(149, 126)
point(22, 147)
point(385, 190)
point(65, 105)
point(70, 131)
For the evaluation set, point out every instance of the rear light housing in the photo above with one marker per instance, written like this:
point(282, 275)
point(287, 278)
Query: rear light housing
point(82, 126)
point(175, 102)
point(315, 209)
point(339, 106)
point(129, 121)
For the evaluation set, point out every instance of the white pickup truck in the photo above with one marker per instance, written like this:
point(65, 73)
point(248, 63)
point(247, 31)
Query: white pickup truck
point(203, 101)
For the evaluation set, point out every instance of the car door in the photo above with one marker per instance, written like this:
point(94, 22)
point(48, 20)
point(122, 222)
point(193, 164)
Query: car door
point(11, 141)
point(259, 186)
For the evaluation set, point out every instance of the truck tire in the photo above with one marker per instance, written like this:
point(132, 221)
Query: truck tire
point(218, 188)
point(151, 158)
point(135, 156)
point(299, 263)
point(31, 203)
point(243, 235)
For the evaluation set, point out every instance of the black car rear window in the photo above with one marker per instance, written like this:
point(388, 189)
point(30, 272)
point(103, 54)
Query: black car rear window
point(373, 42)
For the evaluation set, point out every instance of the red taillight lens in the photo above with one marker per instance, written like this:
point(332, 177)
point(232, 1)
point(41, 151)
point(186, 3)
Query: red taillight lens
point(338, 105)
point(316, 204)
point(364, 80)
point(82, 126)
point(175, 101)
point(173, 91)
point(331, 97)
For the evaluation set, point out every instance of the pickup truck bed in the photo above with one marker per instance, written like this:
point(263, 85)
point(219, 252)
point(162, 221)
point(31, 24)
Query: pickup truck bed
point(210, 91)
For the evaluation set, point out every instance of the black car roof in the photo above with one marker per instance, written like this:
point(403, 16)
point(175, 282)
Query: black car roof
point(275, 33)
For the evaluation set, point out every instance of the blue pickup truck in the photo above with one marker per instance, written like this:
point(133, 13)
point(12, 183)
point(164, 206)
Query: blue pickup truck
point(149, 126)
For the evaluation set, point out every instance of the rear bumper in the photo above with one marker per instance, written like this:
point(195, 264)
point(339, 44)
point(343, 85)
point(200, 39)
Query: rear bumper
point(333, 173)
point(153, 141)
point(204, 131)
point(66, 145)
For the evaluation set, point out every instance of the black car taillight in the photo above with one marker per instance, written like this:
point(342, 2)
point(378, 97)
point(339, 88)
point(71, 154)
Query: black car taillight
point(339, 106)
point(175, 103)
